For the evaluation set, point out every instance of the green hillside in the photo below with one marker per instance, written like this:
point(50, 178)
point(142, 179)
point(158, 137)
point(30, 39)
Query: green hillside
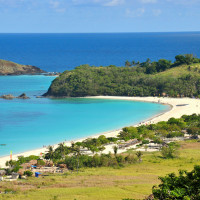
point(181, 78)
point(192, 69)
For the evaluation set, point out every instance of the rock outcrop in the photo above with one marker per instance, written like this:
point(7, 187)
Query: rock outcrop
point(11, 68)
point(23, 96)
point(7, 96)
point(10, 96)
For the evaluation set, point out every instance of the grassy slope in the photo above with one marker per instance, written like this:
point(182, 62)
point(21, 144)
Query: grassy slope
point(181, 70)
point(133, 181)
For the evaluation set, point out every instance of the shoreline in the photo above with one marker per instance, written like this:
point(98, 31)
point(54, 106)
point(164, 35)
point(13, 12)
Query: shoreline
point(179, 107)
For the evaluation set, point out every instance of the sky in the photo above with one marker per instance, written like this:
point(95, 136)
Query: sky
point(96, 16)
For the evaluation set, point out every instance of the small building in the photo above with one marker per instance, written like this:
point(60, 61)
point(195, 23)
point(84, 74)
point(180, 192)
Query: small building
point(37, 174)
point(128, 143)
point(2, 172)
point(14, 175)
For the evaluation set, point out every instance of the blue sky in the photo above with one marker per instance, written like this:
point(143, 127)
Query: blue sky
point(77, 16)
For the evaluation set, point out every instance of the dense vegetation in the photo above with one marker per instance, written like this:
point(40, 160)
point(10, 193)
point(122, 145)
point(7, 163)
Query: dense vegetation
point(73, 156)
point(185, 186)
point(135, 172)
point(14, 165)
point(161, 78)
point(172, 128)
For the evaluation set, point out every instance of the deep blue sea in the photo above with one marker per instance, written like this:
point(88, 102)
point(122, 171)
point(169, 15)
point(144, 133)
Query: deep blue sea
point(29, 124)
point(58, 52)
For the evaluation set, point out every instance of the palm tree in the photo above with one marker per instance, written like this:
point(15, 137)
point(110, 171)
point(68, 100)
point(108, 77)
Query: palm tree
point(133, 62)
point(115, 149)
point(101, 148)
point(139, 155)
point(77, 153)
point(127, 64)
point(61, 149)
point(50, 153)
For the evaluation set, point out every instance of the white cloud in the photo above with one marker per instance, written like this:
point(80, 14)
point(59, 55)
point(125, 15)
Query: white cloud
point(135, 13)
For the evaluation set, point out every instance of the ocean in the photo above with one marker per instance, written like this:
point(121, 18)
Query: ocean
point(30, 124)
point(60, 52)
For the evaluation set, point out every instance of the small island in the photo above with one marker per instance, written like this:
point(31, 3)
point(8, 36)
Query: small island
point(158, 78)
point(11, 68)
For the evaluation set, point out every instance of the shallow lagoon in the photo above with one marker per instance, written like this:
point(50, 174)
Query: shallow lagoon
point(32, 123)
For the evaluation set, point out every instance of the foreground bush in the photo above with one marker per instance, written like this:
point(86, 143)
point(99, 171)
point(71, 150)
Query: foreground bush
point(185, 186)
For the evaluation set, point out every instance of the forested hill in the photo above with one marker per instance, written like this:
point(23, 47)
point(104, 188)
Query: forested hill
point(162, 78)
point(11, 68)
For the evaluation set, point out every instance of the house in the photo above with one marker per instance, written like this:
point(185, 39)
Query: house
point(14, 175)
point(128, 143)
point(2, 172)
point(28, 166)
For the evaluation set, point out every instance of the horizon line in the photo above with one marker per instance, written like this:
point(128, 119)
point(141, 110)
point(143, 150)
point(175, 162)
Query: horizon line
point(97, 32)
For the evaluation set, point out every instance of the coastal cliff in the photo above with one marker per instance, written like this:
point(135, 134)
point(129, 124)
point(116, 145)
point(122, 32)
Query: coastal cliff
point(11, 68)
point(161, 78)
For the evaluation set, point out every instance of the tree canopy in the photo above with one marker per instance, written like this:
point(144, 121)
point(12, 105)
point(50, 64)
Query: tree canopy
point(140, 79)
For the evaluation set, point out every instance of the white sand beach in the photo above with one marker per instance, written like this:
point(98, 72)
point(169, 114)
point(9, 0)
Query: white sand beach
point(179, 107)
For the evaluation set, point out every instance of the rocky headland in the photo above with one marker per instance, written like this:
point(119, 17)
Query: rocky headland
point(11, 68)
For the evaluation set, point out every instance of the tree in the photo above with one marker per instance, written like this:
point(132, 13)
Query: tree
point(50, 154)
point(185, 186)
point(101, 148)
point(28, 173)
point(133, 63)
point(189, 59)
point(77, 153)
point(194, 131)
point(127, 64)
point(163, 65)
point(61, 149)
point(139, 155)
point(180, 59)
point(178, 122)
point(102, 139)
point(115, 149)
point(170, 151)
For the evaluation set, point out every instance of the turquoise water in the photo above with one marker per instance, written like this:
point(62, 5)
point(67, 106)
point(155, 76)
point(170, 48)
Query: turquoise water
point(30, 124)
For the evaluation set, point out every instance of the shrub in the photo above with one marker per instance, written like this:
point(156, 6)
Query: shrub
point(185, 186)
point(41, 162)
point(28, 173)
point(145, 142)
point(130, 158)
point(170, 151)
point(175, 134)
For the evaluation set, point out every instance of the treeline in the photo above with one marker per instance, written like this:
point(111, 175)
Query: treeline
point(76, 156)
point(143, 79)
point(154, 132)
point(161, 65)
point(172, 128)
